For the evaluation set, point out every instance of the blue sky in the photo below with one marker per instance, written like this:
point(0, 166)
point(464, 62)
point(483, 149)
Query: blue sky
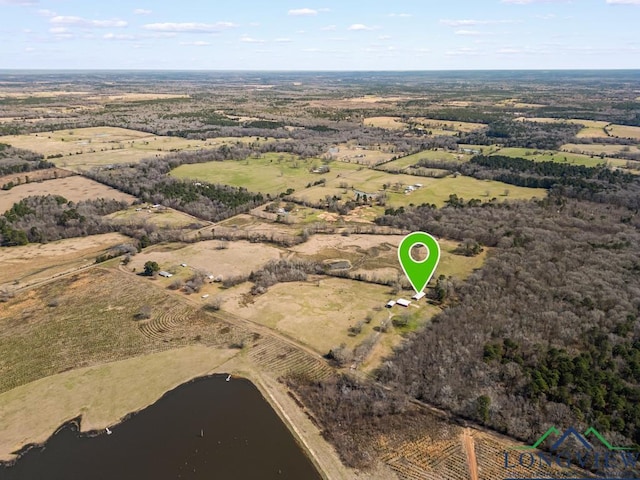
point(320, 35)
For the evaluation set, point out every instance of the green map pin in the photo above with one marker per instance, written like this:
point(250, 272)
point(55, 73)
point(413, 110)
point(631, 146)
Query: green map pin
point(419, 272)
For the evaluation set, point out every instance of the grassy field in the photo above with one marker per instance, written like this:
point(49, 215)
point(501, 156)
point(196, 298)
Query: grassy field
point(316, 313)
point(32, 263)
point(89, 319)
point(163, 218)
point(83, 148)
point(560, 157)
point(102, 394)
point(447, 126)
point(624, 131)
point(592, 128)
point(238, 258)
point(598, 149)
point(273, 173)
point(410, 160)
point(364, 156)
point(390, 123)
point(74, 188)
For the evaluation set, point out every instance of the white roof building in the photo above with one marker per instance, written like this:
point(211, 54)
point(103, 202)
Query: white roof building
point(418, 296)
point(403, 302)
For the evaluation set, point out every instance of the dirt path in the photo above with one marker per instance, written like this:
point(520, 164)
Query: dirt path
point(469, 448)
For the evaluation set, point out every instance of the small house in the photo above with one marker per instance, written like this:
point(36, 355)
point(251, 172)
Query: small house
point(403, 303)
point(390, 303)
point(183, 264)
point(164, 274)
point(418, 296)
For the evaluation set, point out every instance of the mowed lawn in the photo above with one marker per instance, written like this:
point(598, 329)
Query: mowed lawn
point(560, 157)
point(274, 173)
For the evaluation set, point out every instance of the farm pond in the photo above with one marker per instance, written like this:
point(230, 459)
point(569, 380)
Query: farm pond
point(208, 428)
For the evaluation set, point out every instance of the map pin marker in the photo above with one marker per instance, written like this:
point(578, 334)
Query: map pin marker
point(419, 272)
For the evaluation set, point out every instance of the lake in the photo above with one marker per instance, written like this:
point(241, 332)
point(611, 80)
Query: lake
point(205, 429)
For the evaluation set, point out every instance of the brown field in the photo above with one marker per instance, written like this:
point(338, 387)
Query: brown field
point(443, 125)
point(316, 313)
point(102, 394)
point(364, 156)
point(624, 131)
point(29, 264)
point(239, 258)
point(74, 188)
point(598, 149)
point(36, 176)
point(592, 128)
point(390, 123)
point(163, 218)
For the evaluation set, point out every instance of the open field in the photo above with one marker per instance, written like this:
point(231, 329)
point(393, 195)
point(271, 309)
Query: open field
point(273, 173)
point(239, 258)
point(410, 160)
point(83, 148)
point(317, 314)
point(390, 123)
point(447, 126)
point(592, 128)
point(362, 155)
point(560, 157)
point(102, 394)
point(90, 318)
point(74, 188)
point(35, 262)
point(163, 218)
point(35, 176)
point(598, 149)
point(624, 131)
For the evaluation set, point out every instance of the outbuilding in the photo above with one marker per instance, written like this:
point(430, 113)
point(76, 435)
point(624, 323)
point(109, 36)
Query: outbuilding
point(390, 303)
point(164, 274)
point(402, 302)
point(418, 296)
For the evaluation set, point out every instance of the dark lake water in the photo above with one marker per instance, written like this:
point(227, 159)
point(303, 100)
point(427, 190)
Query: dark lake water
point(243, 438)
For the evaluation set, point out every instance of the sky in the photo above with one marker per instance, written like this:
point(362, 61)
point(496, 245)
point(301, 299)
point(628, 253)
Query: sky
point(319, 34)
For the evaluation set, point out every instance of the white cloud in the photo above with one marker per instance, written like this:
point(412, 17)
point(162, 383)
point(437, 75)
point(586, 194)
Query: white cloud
point(142, 11)
point(58, 30)
point(83, 22)
point(463, 51)
point(509, 51)
point(359, 27)
point(46, 13)
point(197, 43)
point(247, 39)
point(623, 2)
point(384, 37)
point(283, 40)
point(189, 27)
point(302, 12)
point(400, 15)
point(116, 36)
point(329, 28)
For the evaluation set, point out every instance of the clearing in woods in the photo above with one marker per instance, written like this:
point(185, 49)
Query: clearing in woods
point(560, 157)
point(29, 264)
point(75, 189)
point(161, 217)
point(410, 160)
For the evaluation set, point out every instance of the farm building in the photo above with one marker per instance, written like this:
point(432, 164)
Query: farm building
point(390, 303)
point(164, 274)
point(402, 302)
point(418, 296)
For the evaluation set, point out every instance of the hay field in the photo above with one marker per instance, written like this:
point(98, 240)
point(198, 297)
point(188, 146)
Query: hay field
point(35, 262)
point(89, 319)
point(273, 173)
point(102, 394)
point(363, 156)
point(163, 218)
point(74, 188)
point(447, 126)
point(592, 128)
point(390, 123)
point(624, 131)
point(82, 148)
point(598, 149)
point(239, 258)
point(560, 157)
point(317, 313)
point(410, 160)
